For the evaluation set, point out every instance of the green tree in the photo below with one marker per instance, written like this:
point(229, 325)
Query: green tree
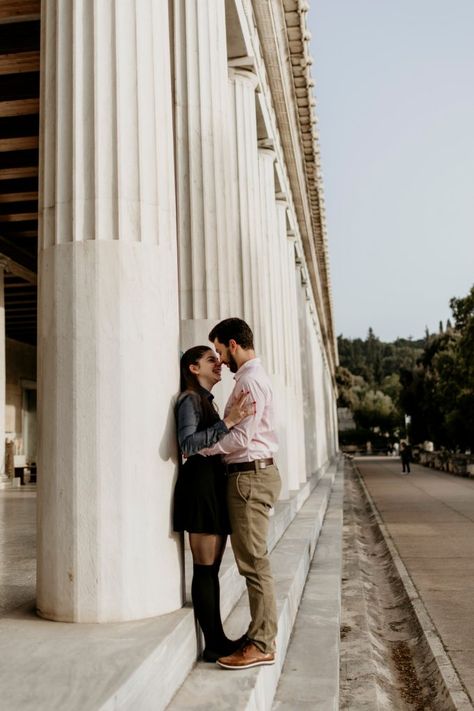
point(439, 391)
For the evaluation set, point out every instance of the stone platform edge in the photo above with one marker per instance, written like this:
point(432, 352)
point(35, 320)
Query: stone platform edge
point(311, 672)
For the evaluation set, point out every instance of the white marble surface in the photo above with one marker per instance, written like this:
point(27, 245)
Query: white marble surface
point(310, 675)
point(135, 665)
point(208, 277)
point(108, 322)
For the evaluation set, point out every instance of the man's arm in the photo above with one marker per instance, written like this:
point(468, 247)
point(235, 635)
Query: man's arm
point(240, 435)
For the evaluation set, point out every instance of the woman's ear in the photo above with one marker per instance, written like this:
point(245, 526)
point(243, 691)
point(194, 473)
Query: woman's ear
point(194, 369)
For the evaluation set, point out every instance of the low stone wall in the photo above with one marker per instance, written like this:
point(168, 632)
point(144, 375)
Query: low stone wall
point(459, 464)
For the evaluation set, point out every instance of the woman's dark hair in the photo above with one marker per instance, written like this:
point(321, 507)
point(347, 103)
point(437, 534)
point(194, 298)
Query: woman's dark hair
point(189, 382)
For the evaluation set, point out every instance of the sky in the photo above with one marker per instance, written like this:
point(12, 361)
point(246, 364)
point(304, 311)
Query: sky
point(395, 102)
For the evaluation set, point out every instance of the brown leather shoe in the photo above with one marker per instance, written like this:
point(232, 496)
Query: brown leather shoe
point(248, 656)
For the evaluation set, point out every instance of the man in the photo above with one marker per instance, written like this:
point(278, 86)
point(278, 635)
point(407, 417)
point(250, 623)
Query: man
point(405, 456)
point(253, 488)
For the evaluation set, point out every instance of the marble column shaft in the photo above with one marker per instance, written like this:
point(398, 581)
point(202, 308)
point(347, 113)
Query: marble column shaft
point(108, 313)
point(245, 182)
point(208, 265)
point(266, 257)
point(291, 345)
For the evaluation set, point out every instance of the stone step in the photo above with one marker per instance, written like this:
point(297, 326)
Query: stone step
point(136, 665)
point(310, 675)
point(210, 687)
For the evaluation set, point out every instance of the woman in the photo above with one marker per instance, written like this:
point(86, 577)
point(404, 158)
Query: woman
point(200, 496)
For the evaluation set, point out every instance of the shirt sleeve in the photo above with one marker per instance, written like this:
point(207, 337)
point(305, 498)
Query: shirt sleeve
point(240, 435)
point(190, 438)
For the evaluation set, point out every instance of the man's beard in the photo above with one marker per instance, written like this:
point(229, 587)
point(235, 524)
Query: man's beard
point(233, 367)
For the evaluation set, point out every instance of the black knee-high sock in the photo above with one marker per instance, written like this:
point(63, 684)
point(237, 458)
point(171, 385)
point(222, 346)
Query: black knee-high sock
point(203, 592)
point(217, 606)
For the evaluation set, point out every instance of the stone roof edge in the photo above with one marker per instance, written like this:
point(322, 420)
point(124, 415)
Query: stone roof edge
point(295, 113)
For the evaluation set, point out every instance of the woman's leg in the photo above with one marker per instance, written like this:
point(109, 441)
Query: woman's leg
point(207, 552)
point(206, 548)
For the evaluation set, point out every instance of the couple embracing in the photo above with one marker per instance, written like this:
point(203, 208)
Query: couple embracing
point(227, 485)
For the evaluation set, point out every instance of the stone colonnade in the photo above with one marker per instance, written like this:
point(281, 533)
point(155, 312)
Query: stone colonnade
point(149, 234)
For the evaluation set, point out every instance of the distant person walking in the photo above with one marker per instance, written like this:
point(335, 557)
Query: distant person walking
point(405, 456)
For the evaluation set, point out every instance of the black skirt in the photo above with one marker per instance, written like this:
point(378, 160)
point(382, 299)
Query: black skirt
point(200, 497)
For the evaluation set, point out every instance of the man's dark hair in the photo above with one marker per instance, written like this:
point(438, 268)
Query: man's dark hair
point(233, 328)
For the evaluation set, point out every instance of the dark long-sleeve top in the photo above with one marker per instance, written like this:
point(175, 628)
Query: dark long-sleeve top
point(192, 436)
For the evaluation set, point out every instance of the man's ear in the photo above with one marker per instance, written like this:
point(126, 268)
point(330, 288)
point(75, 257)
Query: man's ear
point(233, 345)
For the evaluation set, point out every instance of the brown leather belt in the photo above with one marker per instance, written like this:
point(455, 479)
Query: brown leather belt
point(249, 466)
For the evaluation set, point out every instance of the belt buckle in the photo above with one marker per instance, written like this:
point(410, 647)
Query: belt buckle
point(259, 464)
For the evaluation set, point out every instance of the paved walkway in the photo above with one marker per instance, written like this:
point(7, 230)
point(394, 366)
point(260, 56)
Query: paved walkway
point(17, 548)
point(430, 516)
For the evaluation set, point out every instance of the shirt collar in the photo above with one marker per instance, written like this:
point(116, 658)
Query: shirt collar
point(248, 365)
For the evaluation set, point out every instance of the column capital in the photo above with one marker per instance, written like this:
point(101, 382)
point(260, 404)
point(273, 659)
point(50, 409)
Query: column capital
point(266, 148)
point(244, 62)
point(245, 75)
point(281, 199)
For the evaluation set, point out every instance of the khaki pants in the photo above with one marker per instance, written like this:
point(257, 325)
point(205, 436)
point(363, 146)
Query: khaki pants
point(250, 496)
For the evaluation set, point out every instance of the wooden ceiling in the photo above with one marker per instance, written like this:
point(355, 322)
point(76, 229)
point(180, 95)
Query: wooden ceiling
point(19, 129)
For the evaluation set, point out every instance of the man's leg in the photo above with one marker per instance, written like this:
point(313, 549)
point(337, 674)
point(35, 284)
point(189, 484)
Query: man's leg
point(251, 496)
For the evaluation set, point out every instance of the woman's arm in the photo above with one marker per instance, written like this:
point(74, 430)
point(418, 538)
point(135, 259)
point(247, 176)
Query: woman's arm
point(190, 439)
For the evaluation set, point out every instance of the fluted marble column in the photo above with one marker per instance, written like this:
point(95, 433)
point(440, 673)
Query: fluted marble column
point(311, 387)
point(245, 183)
point(208, 265)
point(289, 343)
point(266, 257)
point(297, 353)
point(108, 313)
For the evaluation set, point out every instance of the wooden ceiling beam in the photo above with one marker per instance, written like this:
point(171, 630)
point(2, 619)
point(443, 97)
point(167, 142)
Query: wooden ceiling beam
point(19, 62)
point(19, 10)
point(19, 217)
point(22, 143)
point(17, 197)
point(20, 107)
point(24, 172)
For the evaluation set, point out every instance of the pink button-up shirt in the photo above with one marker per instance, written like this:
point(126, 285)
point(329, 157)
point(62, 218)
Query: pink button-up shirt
point(255, 437)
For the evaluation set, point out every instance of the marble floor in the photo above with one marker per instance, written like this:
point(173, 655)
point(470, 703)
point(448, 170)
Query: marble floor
point(17, 548)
